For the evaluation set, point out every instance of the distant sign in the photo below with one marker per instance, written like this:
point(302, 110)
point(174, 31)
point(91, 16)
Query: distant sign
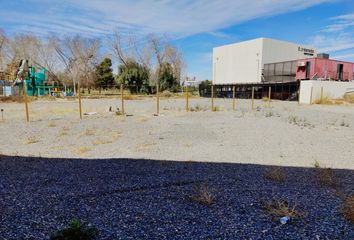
point(306, 51)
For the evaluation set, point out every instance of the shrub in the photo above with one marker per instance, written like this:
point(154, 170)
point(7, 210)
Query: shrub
point(276, 174)
point(76, 231)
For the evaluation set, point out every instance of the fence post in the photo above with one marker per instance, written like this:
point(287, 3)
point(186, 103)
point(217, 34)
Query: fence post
point(26, 100)
point(269, 95)
point(311, 95)
point(187, 104)
point(122, 97)
point(157, 100)
point(212, 97)
point(233, 98)
point(79, 95)
point(252, 98)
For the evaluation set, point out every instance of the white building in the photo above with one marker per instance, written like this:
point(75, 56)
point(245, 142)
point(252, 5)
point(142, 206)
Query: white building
point(244, 62)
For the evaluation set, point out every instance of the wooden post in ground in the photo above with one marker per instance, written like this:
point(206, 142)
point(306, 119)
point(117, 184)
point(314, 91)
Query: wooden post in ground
point(298, 94)
point(311, 95)
point(252, 98)
point(233, 98)
point(79, 95)
point(212, 98)
point(122, 97)
point(26, 100)
point(187, 103)
point(157, 100)
point(269, 95)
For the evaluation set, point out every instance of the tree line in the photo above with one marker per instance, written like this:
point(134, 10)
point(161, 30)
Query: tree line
point(142, 62)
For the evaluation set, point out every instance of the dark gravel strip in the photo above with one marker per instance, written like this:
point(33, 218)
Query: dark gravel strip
point(143, 199)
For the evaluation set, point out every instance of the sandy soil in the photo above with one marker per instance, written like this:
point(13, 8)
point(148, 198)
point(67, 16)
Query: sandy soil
point(285, 134)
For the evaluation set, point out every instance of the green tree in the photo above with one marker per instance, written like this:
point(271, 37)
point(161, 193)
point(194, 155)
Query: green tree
point(134, 75)
point(104, 74)
point(167, 80)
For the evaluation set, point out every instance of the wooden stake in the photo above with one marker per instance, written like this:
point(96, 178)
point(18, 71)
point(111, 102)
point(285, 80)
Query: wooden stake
point(252, 98)
point(269, 95)
point(157, 100)
point(79, 95)
point(212, 97)
point(187, 103)
point(26, 100)
point(122, 97)
point(233, 98)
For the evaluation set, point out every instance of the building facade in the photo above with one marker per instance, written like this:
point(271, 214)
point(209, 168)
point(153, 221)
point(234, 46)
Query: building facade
point(244, 62)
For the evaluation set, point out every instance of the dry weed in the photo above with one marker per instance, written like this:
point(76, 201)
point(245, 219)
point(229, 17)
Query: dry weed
point(32, 140)
point(327, 177)
point(202, 194)
point(349, 98)
point(276, 174)
point(89, 132)
point(348, 209)
point(51, 124)
point(83, 150)
point(145, 146)
point(282, 208)
point(63, 131)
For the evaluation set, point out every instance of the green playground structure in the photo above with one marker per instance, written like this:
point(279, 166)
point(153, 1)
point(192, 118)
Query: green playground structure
point(35, 81)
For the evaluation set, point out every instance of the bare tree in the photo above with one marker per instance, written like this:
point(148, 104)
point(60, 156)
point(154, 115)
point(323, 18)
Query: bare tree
point(116, 46)
point(80, 56)
point(3, 39)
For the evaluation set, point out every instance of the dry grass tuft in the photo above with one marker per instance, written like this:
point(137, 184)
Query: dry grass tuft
point(349, 98)
point(32, 140)
point(145, 146)
point(202, 195)
point(276, 174)
point(51, 124)
point(130, 97)
point(83, 150)
point(63, 131)
point(89, 132)
point(348, 209)
point(282, 208)
point(327, 177)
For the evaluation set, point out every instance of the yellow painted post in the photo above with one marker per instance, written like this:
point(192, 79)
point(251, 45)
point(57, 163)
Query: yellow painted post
point(311, 95)
point(79, 95)
point(122, 97)
point(252, 98)
point(157, 100)
point(321, 94)
point(269, 95)
point(298, 94)
point(187, 103)
point(233, 98)
point(26, 100)
point(212, 98)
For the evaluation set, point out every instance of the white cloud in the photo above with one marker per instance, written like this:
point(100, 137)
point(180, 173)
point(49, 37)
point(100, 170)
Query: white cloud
point(337, 38)
point(340, 23)
point(180, 18)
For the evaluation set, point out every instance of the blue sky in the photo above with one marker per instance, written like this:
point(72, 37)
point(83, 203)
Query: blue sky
point(194, 26)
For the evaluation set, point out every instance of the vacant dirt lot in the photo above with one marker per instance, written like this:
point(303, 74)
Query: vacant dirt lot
point(285, 134)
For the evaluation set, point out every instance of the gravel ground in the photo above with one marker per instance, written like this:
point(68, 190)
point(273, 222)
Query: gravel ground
point(285, 134)
point(143, 199)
